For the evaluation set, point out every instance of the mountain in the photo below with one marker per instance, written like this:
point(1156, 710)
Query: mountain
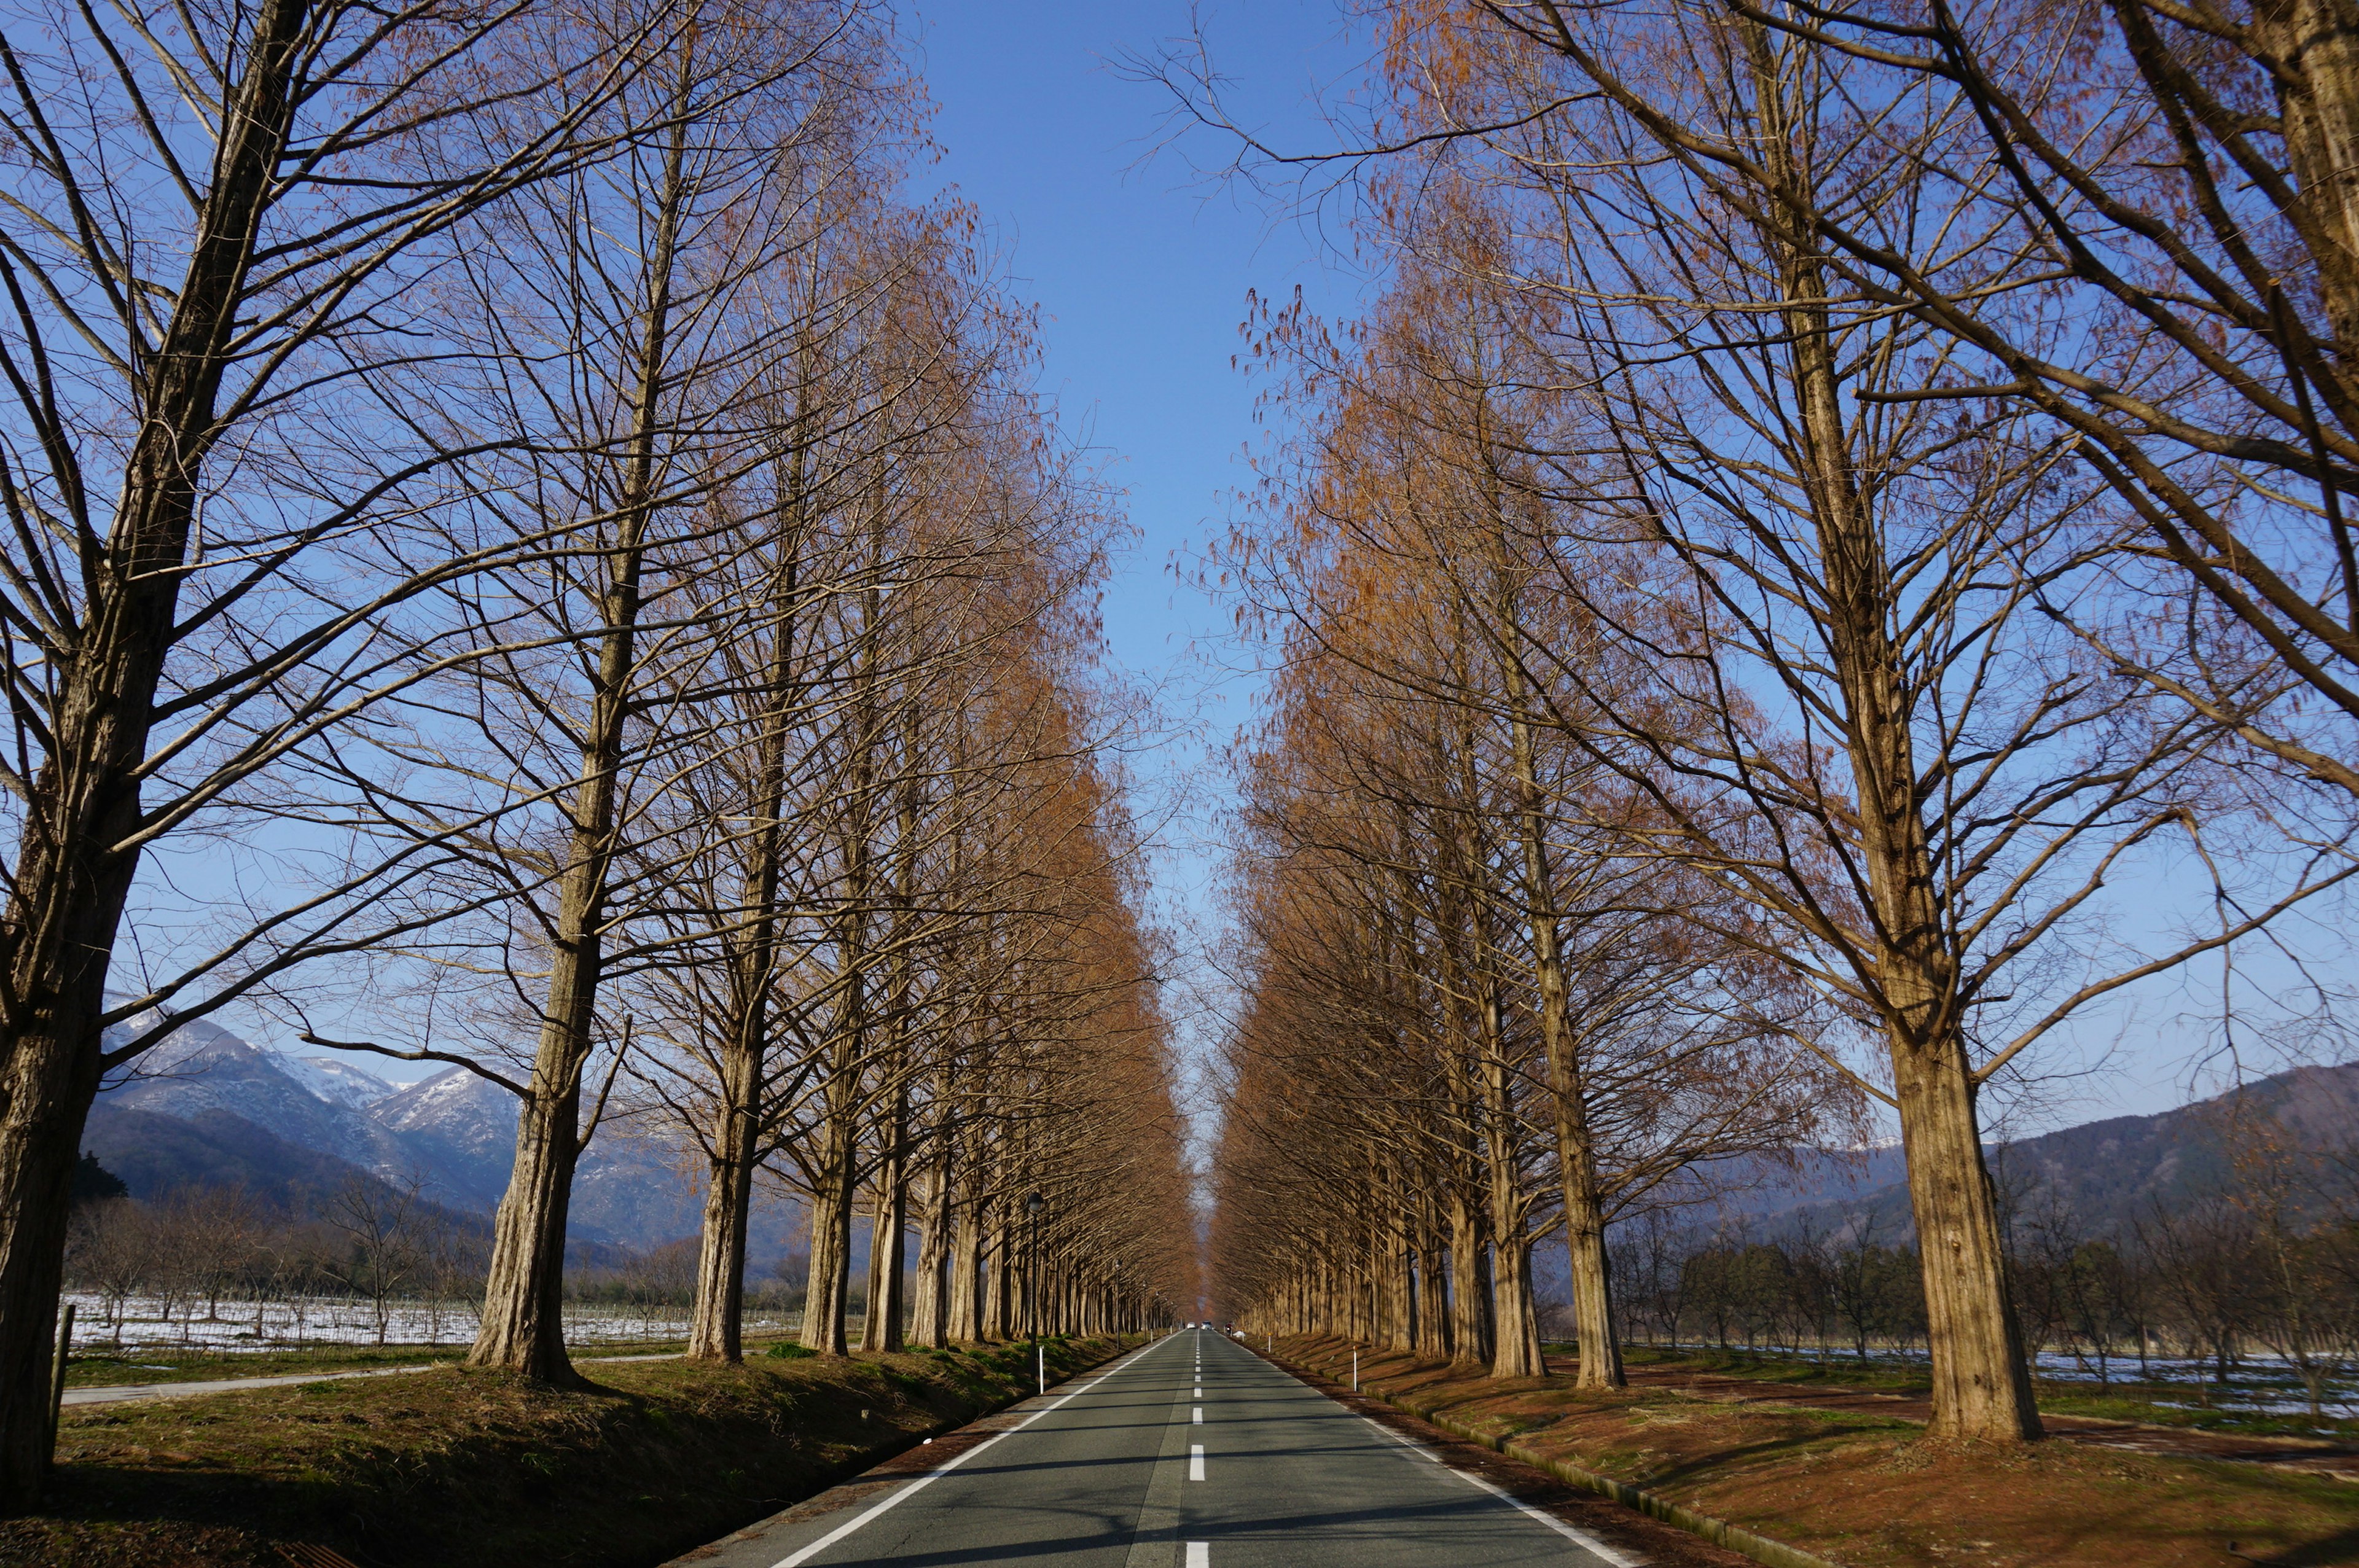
point(459, 1125)
point(208, 1106)
point(200, 1066)
point(156, 1154)
point(2103, 1173)
point(338, 1083)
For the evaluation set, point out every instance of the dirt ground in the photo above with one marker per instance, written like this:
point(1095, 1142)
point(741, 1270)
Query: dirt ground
point(2340, 1461)
point(1852, 1477)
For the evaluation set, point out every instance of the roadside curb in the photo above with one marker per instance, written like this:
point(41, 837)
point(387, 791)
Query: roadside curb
point(1653, 1505)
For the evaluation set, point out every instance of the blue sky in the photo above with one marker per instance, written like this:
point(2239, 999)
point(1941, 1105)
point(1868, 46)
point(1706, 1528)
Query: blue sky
point(1141, 269)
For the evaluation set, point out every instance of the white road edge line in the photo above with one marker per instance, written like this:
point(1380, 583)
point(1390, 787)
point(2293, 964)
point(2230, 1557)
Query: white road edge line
point(839, 1531)
point(1581, 1537)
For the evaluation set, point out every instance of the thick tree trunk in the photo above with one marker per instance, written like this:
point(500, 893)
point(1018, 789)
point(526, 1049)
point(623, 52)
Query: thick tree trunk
point(2314, 47)
point(51, 1078)
point(1981, 1386)
point(1433, 1304)
point(930, 1315)
point(1470, 1294)
point(716, 1326)
point(966, 1271)
point(523, 1328)
point(831, 1257)
point(1982, 1389)
point(998, 1306)
point(69, 881)
point(882, 1329)
point(1514, 1320)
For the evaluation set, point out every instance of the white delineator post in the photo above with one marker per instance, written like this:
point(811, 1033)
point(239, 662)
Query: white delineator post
point(1355, 1368)
point(1040, 1366)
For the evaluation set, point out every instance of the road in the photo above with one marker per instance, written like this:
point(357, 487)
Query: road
point(1192, 1453)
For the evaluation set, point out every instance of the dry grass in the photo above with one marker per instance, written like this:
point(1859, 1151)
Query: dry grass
point(462, 1468)
point(1873, 1492)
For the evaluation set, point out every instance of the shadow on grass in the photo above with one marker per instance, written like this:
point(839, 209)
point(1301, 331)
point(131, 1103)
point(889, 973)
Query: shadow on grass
point(2338, 1549)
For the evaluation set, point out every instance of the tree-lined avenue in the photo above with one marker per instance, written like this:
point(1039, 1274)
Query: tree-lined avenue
point(1103, 1473)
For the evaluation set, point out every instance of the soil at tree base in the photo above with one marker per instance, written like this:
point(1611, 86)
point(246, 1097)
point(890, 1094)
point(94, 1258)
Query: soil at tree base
point(1867, 1489)
point(475, 1469)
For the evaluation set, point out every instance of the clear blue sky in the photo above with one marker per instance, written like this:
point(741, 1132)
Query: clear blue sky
point(1141, 270)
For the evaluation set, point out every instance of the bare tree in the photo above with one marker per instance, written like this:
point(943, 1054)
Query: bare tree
point(212, 224)
point(380, 1251)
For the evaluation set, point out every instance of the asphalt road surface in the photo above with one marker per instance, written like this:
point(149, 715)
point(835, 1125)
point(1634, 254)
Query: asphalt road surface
point(1190, 1454)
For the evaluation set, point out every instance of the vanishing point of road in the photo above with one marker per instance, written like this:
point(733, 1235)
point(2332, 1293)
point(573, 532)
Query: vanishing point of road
point(1192, 1453)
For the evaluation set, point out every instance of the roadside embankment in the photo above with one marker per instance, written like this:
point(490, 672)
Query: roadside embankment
point(1867, 1489)
point(465, 1468)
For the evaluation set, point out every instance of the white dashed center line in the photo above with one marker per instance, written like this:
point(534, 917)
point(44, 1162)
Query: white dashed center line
point(1199, 1416)
point(1195, 1462)
point(1199, 1554)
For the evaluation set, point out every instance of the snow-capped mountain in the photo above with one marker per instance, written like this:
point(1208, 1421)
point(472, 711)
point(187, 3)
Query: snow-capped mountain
point(201, 1066)
point(338, 1083)
point(456, 1131)
point(461, 1126)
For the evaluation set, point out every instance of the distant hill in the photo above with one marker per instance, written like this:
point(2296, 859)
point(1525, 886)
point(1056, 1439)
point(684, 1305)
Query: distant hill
point(2106, 1171)
point(156, 1154)
point(207, 1107)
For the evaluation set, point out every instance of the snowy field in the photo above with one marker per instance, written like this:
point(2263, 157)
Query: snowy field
point(2262, 1384)
point(289, 1325)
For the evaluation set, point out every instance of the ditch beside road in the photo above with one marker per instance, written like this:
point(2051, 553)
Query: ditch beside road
point(124, 1393)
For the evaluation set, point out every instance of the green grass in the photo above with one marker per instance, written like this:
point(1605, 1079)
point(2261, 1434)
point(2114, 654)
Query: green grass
point(99, 1368)
point(468, 1469)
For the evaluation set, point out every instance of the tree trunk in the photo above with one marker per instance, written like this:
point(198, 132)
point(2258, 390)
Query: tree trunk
point(717, 1330)
point(1585, 1212)
point(524, 1329)
point(1982, 1389)
point(69, 882)
point(2314, 47)
point(830, 1254)
point(1469, 1297)
point(966, 1271)
point(929, 1317)
point(1514, 1322)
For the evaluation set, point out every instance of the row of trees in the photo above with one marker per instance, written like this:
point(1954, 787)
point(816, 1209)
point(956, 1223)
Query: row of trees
point(2265, 1265)
point(196, 1248)
point(218, 1255)
point(1830, 497)
point(524, 552)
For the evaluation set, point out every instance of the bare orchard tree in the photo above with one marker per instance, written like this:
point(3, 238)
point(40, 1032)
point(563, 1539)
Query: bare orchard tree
point(378, 1249)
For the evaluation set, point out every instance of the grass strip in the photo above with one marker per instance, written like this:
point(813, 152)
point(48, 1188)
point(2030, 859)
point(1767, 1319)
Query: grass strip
point(1869, 1489)
point(1720, 1533)
point(476, 1470)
